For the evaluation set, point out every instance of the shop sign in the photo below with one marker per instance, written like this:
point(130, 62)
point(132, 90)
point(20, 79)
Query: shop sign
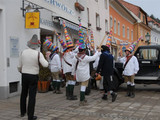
point(32, 20)
point(46, 22)
point(61, 6)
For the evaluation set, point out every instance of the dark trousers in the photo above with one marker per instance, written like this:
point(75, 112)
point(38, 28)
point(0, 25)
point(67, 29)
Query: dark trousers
point(29, 85)
point(107, 83)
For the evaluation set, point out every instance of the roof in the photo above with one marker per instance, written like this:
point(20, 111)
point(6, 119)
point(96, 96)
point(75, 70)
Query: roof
point(133, 8)
point(125, 9)
point(152, 20)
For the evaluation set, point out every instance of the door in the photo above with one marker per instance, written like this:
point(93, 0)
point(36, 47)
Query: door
point(148, 59)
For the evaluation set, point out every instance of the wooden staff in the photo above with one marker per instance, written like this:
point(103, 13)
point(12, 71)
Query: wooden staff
point(103, 40)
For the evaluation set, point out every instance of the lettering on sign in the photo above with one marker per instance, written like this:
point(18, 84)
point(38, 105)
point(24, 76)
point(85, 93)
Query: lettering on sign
point(61, 6)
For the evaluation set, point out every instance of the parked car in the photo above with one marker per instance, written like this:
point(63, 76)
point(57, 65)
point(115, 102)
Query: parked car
point(149, 64)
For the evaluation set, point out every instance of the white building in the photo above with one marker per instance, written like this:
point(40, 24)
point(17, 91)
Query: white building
point(14, 36)
point(155, 32)
point(98, 19)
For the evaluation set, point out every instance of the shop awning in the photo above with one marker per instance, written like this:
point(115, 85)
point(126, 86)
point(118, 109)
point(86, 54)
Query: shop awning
point(69, 24)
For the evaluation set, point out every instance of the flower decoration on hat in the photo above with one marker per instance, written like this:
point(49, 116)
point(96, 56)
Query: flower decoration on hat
point(67, 37)
point(92, 39)
point(63, 44)
point(133, 45)
point(109, 39)
point(81, 37)
point(50, 46)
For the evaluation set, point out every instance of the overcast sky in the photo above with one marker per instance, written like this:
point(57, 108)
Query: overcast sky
point(149, 6)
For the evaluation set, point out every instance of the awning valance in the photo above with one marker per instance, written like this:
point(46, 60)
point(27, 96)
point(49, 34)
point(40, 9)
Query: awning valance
point(71, 24)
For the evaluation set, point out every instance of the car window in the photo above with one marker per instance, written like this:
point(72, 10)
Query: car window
point(148, 54)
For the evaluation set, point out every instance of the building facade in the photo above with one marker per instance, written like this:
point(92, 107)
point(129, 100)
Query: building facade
point(155, 31)
point(141, 27)
point(98, 19)
point(14, 35)
point(122, 23)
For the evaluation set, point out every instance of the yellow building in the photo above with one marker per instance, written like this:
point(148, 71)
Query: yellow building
point(141, 28)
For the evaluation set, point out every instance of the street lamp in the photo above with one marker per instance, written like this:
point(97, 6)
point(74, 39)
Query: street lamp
point(147, 36)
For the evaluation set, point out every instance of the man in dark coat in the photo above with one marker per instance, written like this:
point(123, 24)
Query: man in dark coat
point(105, 68)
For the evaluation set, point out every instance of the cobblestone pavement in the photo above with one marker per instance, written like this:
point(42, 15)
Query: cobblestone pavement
point(49, 106)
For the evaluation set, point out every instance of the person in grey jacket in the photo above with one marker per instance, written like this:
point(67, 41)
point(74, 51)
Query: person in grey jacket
point(29, 61)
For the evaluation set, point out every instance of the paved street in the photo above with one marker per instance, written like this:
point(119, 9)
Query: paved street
point(49, 106)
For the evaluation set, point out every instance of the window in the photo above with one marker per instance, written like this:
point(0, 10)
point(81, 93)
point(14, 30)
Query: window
point(106, 25)
point(127, 32)
point(148, 54)
point(118, 28)
point(143, 18)
point(141, 32)
point(132, 35)
point(97, 20)
point(111, 22)
point(105, 4)
point(139, 15)
point(123, 31)
point(115, 27)
point(88, 15)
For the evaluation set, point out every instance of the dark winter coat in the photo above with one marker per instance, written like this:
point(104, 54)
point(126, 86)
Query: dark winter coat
point(105, 66)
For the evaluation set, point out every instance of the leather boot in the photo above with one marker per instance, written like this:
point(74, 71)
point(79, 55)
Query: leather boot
point(104, 97)
point(132, 91)
point(71, 97)
point(114, 96)
point(128, 91)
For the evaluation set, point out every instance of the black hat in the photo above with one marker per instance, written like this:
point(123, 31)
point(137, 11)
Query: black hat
point(105, 48)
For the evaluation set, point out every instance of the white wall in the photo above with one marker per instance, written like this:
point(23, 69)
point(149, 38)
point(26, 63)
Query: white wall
point(98, 7)
point(3, 70)
point(12, 24)
point(155, 34)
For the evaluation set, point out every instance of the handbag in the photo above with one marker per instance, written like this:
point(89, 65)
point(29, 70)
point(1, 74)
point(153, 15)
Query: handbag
point(98, 77)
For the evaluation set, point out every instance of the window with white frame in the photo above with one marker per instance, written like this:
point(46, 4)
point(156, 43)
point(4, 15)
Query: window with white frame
point(127, 32)
point(106, 25)
point(115, 26)
point(118, 28)
point(97, 20)
point(123, 30)
point(105, 4)
point(88, 15)
point(141, 32)
point(111, 22)
point(143, 19)
point(132, 35)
